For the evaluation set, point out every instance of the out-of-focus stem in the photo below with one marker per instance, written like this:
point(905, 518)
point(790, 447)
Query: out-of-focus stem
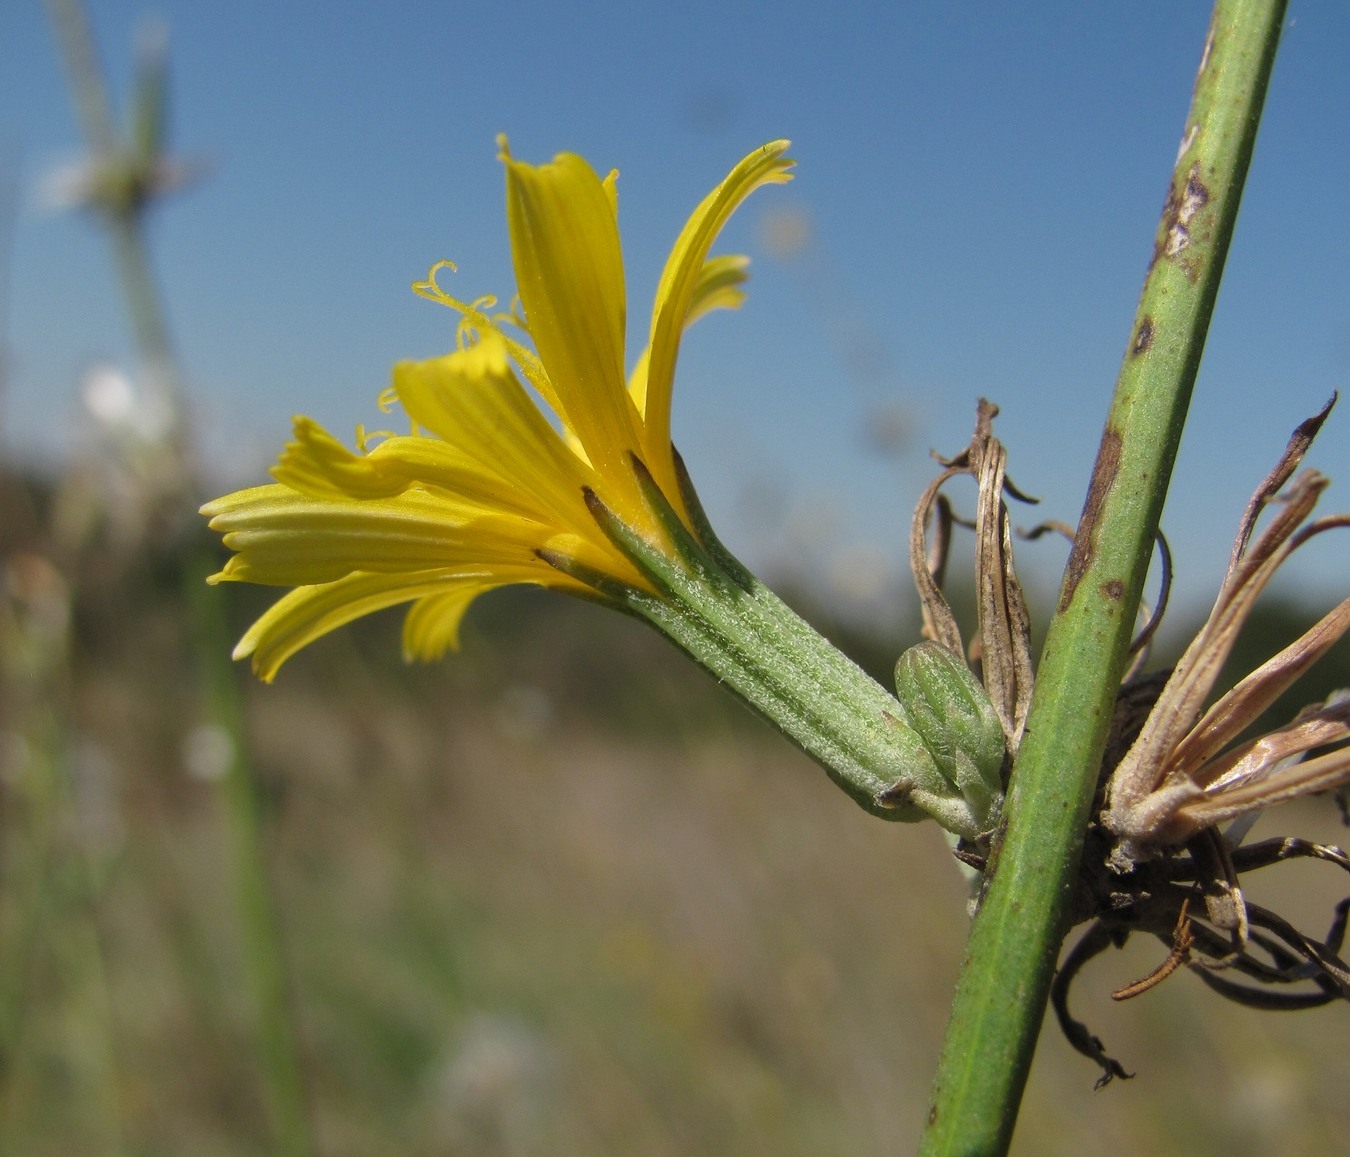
point(87, 89)
point(123, 217)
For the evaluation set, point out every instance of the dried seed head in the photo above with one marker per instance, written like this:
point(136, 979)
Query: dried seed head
point(1184, 773)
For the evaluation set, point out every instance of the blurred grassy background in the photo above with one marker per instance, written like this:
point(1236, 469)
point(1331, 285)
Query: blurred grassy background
point(557, 894)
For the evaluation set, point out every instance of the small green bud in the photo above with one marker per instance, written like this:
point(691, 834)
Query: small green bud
point(953, 716)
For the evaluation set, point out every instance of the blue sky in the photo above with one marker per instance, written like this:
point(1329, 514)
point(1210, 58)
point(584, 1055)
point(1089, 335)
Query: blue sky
point(981, 184)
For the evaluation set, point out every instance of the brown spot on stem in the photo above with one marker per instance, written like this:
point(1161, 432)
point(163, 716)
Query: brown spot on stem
point(1143, 339)
point(1085, 541)
point(1114, 590)
point(1169, 215)
point(1183, 203)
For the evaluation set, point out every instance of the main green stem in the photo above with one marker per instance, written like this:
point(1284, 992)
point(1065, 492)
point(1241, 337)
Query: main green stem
point(1014, 942)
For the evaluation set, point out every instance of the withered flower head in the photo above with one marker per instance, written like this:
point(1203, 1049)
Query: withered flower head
point(1158, 863)
point(1185, 774)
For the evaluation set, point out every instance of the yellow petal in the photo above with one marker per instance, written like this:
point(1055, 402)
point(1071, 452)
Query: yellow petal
point(474, 404)
point(464, 481)
point(473, 468)
point(439, 599)
point(677, 293)
point(309, 612)
point(569, 273)
point(319, 466)
point(432, 625)
point(719, 287)
point(286, 539)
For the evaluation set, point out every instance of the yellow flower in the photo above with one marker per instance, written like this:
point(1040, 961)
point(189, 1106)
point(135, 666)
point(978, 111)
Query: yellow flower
point(485, 490)
point(588, 497)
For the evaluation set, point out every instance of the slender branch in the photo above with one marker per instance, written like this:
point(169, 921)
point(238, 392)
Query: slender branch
point(1014, 942)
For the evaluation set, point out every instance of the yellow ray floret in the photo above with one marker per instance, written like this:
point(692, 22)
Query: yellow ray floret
point(485, 486)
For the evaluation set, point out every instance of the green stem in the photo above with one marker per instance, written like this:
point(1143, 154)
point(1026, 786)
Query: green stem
point(121, 215)
point(159, 367)
point(1010, 958)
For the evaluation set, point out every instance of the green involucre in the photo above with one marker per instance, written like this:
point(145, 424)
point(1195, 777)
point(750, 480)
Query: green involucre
point(711, 607)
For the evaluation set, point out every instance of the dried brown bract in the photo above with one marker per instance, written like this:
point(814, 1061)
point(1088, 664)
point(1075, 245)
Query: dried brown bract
point(1001, 651)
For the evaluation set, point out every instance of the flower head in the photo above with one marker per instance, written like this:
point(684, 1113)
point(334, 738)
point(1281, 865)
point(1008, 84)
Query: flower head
point(485, 490)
